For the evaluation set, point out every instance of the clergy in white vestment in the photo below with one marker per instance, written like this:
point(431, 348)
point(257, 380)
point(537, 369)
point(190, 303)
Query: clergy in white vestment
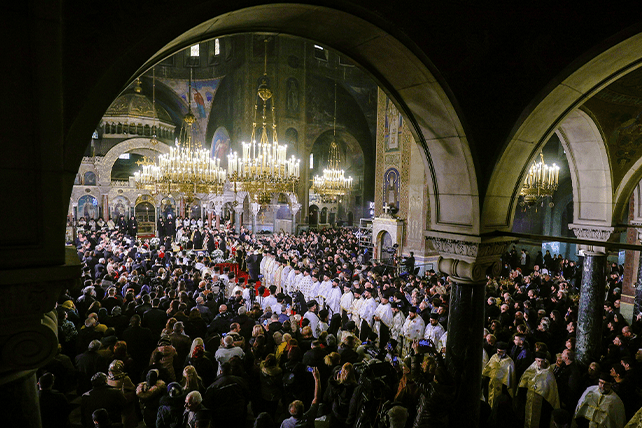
point(324, 289)
point(333, 298)
point(366, 313)
point(383, 320)
point(413, 329)
point(346, 303)
point(500, 372)
point(313, 318)
point(306, 285)
point(537, 393)
point(600, 406)
point(434, 330)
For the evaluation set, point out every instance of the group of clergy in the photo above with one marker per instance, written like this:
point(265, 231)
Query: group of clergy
point(535, 394)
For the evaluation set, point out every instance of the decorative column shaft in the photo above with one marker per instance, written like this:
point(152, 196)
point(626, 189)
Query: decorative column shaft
point(238, 210)
point(466, 260)
point(592, 291)
point(591, 308)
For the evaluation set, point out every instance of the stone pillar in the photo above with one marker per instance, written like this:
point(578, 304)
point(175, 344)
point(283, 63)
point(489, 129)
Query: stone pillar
point(294, 209)
point(216, 211)
point(237, 221)
point(466, 259)
point(592, 291)
point(255, 207)
point(591, 308)
point(637, 302)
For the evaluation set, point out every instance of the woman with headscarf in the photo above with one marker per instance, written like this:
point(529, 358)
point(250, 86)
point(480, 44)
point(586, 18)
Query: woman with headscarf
point(202, 363)
point(117, 378)
point(168, 353)
point(149, 394)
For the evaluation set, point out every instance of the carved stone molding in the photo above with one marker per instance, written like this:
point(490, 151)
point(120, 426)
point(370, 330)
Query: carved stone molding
point(593, 233)
point(467, 258)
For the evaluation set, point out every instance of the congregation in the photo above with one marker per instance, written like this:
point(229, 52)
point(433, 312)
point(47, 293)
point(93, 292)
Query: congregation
point(310, 330)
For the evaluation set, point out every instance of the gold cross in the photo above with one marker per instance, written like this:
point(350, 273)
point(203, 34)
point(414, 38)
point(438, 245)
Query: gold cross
point(145, 161)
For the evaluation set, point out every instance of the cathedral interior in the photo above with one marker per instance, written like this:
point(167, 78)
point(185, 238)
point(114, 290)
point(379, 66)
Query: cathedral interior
point(439, 109)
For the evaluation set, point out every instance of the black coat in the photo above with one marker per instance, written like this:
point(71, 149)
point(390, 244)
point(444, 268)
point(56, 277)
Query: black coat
point(105, 397)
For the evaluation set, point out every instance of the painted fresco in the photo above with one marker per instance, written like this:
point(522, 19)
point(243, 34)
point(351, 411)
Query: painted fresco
point(203, 93)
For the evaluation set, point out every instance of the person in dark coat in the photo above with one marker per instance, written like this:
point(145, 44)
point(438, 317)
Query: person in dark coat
point(227, 398)
point(88, 364)
point(140, 343)
point(54, 406)
point(254, 265)
point(101, 396)
point(132, 226)
point(155, 319)
point(171, 407)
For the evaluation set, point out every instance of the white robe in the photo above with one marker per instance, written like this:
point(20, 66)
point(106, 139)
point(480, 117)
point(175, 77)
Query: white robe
point(367, 310)
point(413, 329)
point(501, 371)
point(314, 323)
point(602, 410)
point(306, 287)
point(434, 333)
point(346, 301)
point(384, 313)
point(541, 385)
point(333, 300)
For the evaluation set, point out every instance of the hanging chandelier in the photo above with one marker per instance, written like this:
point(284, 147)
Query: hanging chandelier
point(187, 169)
point(333, 183)
point(263, 168)
point(540, 183)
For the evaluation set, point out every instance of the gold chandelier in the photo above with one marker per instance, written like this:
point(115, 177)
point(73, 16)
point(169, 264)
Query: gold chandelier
point(187, 169)
point(263, 168)
point(540, 183)
point(333, 183)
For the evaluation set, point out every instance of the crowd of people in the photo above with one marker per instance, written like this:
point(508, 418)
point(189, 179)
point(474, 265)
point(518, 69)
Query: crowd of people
point(312, 330)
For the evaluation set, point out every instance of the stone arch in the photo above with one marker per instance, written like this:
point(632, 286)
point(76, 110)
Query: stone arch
point(629, 185)
point(389, 56)
point(543, 117)
point(590, 169)
point(107, 162)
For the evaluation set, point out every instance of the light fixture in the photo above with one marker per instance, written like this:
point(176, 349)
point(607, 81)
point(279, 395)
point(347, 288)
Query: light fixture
point(187, 169)
point(540, 183)
point(263, 168)
point(333, 183)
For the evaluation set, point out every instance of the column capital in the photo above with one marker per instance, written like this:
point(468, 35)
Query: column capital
point(466, 258)
point(255, 207)
point(294, 208)
point(28, 337)
point(595, 233)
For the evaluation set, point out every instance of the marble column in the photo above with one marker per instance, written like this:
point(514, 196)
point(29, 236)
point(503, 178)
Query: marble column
point(591, 308)
point(294, 209)
point(592, 290)
point(464, 346)
point(637, 302)
point(255, 207)
point(466, 260)
point(238, 210)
